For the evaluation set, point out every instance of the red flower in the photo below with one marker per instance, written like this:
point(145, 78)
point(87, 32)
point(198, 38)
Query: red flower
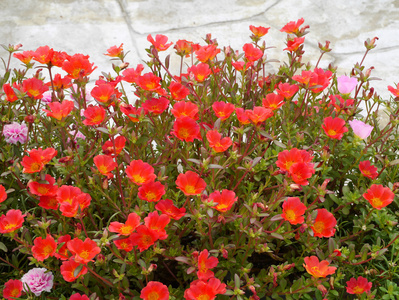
point(11, 221)
point(37, 159)
point(200, 71)
point(127, 228)
point(71, 198)
point(205, 265)
point(216, 142)
point(324, 223)
point(94, 115)
point(293, 27)
point(151, 191)
point(143, 238)
point(293, 210)
point(186, 129)
point(12, 289)
point(25, 57)
point(155, 291)
point(368, 170)
point(43, 54)
point(294, 44)
point(224, 200)
point(185, 109)
point(190, 183)
point(43, 189)
point(334, 127)
point(205, 290)
point(44, 248)
point(77, 296)
point(9, 91)
point(115, 51)
point(140, 172)
point(156, 105)
point(160, 42)
point(103, 93)
point(68, 269)
point(379, 196)
point(34, 87)
point(273, 101)
point(131, 75)
point(166, 207)
point(304, 78)
point(259, 31)
point(133, 113)
point(60, 83)
point(241, 116)
point(358, 286)
point(124, 244)
point(3, 194)
point(343, 104)
point(259, 114)
point(109, 149)
point(78, 66)
point(183, 47)
point(394, 91)
point(45, 155)
point(105, 164)
point(157, 224)
point(149, 82)
point(178, 91)
point(318, 269)
point(252, 53)
point(59, 110)
point(207, 52)
point(48, 202)
point(62, 252)
point(240, 65)
point(223, 110)
point(83, 252)
point(287, 90)
point(300, 172)
point(319, 78)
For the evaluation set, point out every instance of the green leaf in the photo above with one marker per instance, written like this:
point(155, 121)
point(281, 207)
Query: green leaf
point(3, 247)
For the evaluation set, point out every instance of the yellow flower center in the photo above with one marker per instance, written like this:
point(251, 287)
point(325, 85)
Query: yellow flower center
point(138, 179)
point(318, 227)
point(203, 297)
point(34, 93)
point(332, 132)
point(43, 190)
point(126, 229)
point(376, 202)
point(47, 250)
point(10, 226)
point(184, 133)
point(190, 189)
point(290, 214)
point(84, 254)
point(150, 196)
point(358, 290)
point(153, 296)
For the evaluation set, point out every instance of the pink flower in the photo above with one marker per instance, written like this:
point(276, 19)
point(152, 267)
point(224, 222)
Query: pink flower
point(346, 84)
point(15, 132)
point(37, 280)
point(361, 129)
point(47, 97)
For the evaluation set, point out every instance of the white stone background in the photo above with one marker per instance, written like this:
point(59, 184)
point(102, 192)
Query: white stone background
point(92, 26)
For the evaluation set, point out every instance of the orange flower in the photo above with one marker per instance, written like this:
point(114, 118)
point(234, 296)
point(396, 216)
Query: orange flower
point(25, 57)
point(140, 172)
point(68, 269)
point(133, 113)
point(9, 91)
point(131, 75)
point(185, 109)
point(241, 116)
point(127, 228)
point(48, 202)
point(183, 48)
point(273, 101)
point(103, 93)
point(223, 110)
point(186, 129)
point(224, 200)
point(58, 110)
point(94, 115)
point(11, 221)
point(200, 71)
point(115, 51)
point(206, 290)
point(324, 224)
point(157, 224)
point(205, 265)
point(62, 252)
point(259, 31)
point(320, 80)
point(60, 83)
point(394, 91)
point(294, 44)
point(252, 53)
point(12, 289)
point(105, 164)
point(190, 183)
point(109, 149)
point(368, 170)
point(3, 194)
point(70, 199)
point(83, 252)
point(178, 91)
point(124, 244)
point(334, 127)
point(155, 291)
point(43, 54)
point(379, 196)
point(304, 78)
point(293, 210)
point(287, 90)
point(300, 172)
point(259, 114)
point(43, 189)
point(156, 105)
point(240, 65)
point(207, 52)
point(151, 191)
point(78, 66)
point(149, 82)
point(166, 207)
point(318, 269)
point(358, 286)
point(293, 27)
point(216, 142)
point(44, 248)
point(143, 238)
point(45, 155)
point(160, 42)
point(34, 88)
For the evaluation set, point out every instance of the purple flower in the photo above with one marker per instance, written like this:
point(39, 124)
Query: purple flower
point(346, 84)
point(15, 132)
point(37, 281)
point(362, 130)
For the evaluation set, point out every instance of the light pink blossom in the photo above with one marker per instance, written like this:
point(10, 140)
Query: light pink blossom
point(37, 280)
point(14, 133)
point(47, 97)
point(346, 84)
point(362, 130)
